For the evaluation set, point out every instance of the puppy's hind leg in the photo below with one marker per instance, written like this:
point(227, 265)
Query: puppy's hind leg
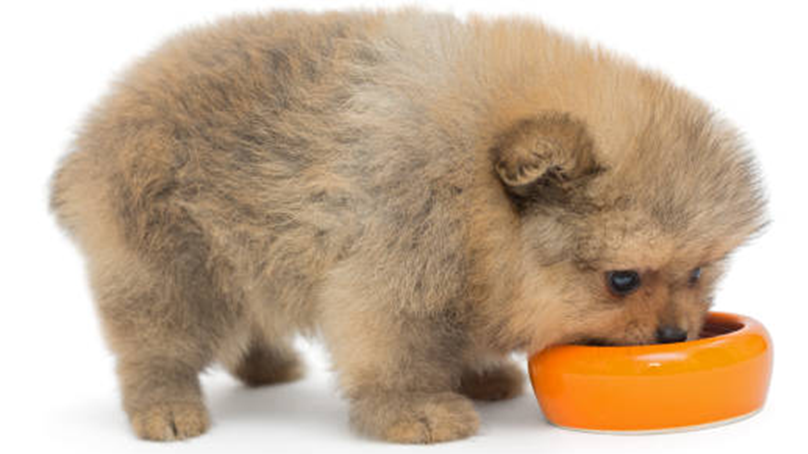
point(162, 398)
point(159, 320)
point(267, 362)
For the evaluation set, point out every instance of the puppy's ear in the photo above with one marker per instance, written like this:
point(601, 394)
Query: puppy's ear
point(542, 156)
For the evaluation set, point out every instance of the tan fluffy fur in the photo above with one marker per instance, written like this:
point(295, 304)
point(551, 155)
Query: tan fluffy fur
point(426, 194)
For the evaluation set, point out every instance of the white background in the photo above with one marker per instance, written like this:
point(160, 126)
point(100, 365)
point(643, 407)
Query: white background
point(57, 386)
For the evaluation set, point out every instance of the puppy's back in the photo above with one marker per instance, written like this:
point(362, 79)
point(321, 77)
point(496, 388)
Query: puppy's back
point(200, 120)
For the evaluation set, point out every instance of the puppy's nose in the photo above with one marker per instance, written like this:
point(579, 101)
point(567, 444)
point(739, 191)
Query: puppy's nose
point(668, 334)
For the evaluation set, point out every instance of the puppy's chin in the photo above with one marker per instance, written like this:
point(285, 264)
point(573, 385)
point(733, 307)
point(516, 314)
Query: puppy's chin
point(595, 342)
point(602, 342)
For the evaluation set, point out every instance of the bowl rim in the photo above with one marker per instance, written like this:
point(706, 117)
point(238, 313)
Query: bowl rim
point(746, 325)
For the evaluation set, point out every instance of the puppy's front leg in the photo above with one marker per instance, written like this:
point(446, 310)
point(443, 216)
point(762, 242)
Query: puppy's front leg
point(400, 372)
point(413, 416)
point(491, 381)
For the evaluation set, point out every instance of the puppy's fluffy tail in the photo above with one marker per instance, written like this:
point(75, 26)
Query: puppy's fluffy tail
point(70, 190)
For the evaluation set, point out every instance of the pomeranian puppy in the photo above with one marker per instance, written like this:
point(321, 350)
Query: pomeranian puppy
point(426, 194)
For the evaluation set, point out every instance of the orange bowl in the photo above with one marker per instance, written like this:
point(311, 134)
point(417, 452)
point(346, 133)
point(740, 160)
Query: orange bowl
point(721, 377)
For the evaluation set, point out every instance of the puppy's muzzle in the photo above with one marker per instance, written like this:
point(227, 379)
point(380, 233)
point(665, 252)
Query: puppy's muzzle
point(668, 334)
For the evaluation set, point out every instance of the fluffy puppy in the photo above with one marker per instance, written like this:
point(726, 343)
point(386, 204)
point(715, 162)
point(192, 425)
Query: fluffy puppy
point(426, 194)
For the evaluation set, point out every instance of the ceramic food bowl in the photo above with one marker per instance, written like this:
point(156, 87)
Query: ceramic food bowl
point(721, 377)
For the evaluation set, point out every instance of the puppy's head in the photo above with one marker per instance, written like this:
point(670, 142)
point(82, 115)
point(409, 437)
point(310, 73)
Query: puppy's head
point(625, 228)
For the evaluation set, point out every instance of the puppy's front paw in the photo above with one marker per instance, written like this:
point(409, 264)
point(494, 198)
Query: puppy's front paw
point(170, 421)
point(505, 381)
point(416, 418)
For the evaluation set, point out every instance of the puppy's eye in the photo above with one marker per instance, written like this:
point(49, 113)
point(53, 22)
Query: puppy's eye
point(621, 283)
point(694, 277)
